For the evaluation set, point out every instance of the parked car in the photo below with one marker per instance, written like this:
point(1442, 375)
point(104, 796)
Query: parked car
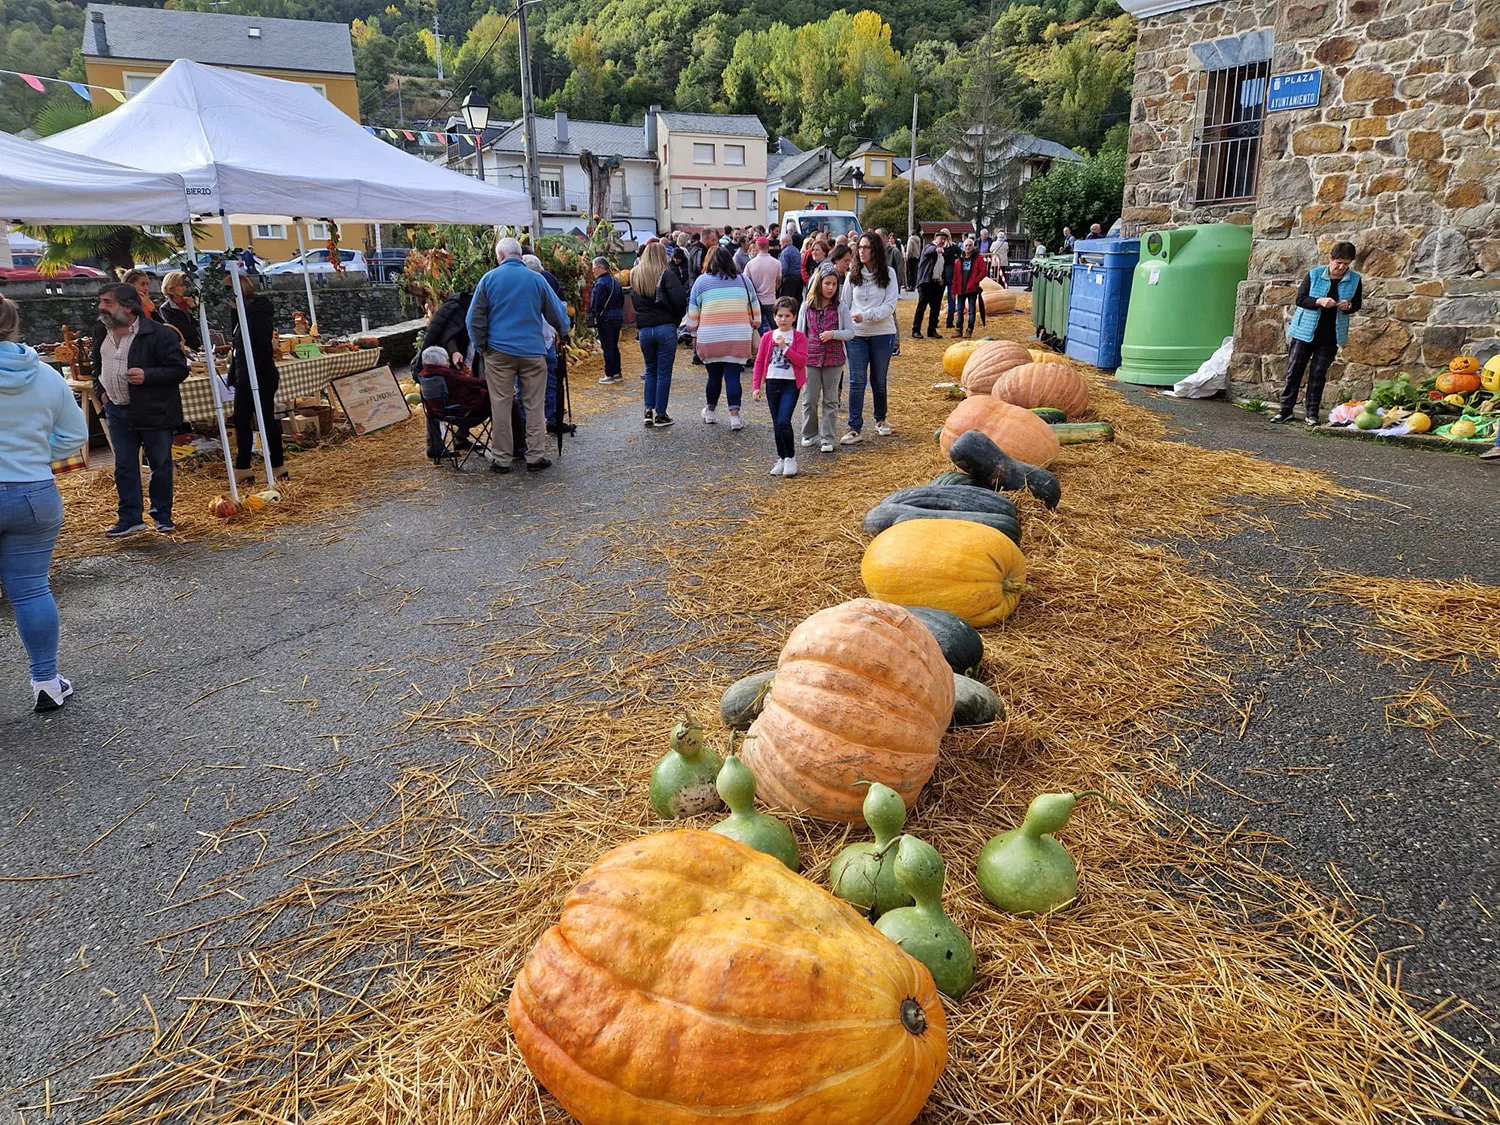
point(387, 262)
point(205, 259)
point(319, 261)
point(26, 267)
point(832, 223)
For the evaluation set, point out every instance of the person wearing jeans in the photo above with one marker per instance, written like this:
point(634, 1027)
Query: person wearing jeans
point(723, 317)
point(660, 302)
point(40, 422)
point(871, 292)
point(780, 370)
point(138, 367)
point(607, 314)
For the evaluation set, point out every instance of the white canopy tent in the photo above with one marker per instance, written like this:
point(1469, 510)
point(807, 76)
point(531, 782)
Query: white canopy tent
point(48, 187)
point(248, 145)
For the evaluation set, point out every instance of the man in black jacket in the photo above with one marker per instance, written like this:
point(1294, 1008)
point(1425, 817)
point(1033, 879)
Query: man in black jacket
point(138, 367)
point(930, 276)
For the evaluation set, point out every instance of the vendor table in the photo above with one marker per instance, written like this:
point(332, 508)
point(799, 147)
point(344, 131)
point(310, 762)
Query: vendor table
point(300, 378)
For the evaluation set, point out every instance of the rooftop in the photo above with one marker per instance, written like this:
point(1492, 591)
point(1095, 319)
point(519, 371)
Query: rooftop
point(217, 39)
point(723, 124)
point(602, 138)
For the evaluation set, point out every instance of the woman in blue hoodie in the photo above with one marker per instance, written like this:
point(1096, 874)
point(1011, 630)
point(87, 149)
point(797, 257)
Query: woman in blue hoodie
point(39, 423)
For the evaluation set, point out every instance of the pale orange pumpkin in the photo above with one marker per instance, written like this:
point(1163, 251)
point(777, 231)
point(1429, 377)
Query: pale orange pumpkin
point(998, 300)
point(1044, 384)
point(862, 693)
point(1017, 431)
point(989, 361)
point(693, 979)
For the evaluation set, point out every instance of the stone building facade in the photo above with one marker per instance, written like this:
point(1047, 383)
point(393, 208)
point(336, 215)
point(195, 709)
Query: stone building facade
point(1401, 156)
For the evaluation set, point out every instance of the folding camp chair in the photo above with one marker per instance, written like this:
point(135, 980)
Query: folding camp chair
point(451, 420)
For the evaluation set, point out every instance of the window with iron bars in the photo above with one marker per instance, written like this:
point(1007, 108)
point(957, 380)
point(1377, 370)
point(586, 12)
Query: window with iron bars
point(1226, 143)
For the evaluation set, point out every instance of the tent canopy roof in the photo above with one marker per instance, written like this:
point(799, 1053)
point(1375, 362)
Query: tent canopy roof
point(246, 144)
point(42, 185)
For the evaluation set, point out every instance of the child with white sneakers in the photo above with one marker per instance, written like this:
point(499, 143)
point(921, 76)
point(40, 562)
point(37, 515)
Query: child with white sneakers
point(781, 370)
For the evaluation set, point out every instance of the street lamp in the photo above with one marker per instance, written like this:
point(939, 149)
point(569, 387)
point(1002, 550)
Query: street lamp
point(859, 182)
point(476, 113)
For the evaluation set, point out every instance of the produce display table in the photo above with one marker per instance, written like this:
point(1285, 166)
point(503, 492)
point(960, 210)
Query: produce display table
point(300, 378)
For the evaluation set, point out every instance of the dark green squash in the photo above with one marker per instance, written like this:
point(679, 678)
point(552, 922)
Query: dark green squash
point(953, 498)
point(963, 647)
point(977, 455)
point(1049, 414)
point(1076, 433)
point(952, 478)
point(886, 514)
point(744, 698)
point(974, 703)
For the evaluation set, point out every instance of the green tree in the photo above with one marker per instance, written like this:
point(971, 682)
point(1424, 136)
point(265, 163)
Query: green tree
point(888, 209)
point(586, 93)
point(1075, 193)
point(1088, 91)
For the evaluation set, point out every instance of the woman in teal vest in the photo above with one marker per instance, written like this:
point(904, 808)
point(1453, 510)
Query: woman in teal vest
point(1328, 296)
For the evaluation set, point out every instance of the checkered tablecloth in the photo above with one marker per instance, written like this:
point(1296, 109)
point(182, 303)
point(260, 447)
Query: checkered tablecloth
point(300, 378)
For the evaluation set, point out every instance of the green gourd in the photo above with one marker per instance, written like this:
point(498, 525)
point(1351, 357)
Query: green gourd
point(682, 784)
point(974, 703)
point(864, 874)
point(1026, 871)
point(744, 698)
point(924, 930)
point(1367, 419)
point(764, 833)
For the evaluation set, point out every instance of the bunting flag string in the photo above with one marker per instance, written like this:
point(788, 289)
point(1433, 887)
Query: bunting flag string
point(86, 91)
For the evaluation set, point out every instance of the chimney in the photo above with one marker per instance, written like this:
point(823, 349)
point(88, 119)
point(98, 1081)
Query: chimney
point(101, 40)
point(562, 128)
point(651, 129)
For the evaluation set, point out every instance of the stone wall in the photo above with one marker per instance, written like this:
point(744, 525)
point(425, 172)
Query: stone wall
point(1400, 157)
point(339, 307)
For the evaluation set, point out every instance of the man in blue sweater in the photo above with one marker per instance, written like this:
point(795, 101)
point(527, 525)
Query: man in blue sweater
point(506, 319)
point(1328, 296)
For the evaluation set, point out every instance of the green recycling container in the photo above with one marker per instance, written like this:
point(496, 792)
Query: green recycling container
point(1182, 300)
point(1050, 293)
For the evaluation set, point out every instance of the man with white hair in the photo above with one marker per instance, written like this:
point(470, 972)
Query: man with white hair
point(511, 308)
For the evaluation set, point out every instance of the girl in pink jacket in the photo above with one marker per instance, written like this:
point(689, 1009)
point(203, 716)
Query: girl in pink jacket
point(781, 370)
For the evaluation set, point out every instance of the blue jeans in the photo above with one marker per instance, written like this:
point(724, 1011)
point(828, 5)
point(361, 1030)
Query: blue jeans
point(551, 407)
point(781, 400)
point(31, 514)
point(872, 354)
point(658, 348)
point(129, 442)
point(727, 376)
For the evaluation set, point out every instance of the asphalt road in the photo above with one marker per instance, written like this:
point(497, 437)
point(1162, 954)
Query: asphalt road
point(264, 687)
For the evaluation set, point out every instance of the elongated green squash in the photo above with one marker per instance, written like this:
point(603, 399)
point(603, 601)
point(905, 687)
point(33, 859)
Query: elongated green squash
point(1076, 433)
point(886, 514)
point(986, 462)
point(953, 477)
point(1049, 414)
point(953, 498)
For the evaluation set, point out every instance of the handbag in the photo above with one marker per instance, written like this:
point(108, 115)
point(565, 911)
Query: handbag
point(71, 463)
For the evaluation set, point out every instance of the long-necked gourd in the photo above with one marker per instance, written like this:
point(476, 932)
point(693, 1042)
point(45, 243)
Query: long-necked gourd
point(924, 930)
point(682, 784)
point(1025, 870)
point(864, 874)
point(736, 784)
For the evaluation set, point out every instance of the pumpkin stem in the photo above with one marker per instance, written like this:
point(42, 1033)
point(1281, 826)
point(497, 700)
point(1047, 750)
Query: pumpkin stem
point(913, 1017)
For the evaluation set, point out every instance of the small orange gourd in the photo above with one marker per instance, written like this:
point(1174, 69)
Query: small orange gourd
point(1464, 365)
point(1018, 432)
point(862, 693)
point(989, 361)
point(1044, 384)
point(692, 979)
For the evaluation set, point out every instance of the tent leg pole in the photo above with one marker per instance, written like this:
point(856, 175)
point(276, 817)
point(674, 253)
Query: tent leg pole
point(312, 309)
point(239, 307)
point(213, 373)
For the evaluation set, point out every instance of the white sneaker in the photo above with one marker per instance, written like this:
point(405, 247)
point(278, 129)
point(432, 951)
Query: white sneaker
point(827, 447)
point(853, 437)
point(807, 441)
point(789, 467)
point(735, 423)
point(709, 417)
point(883, 429)
point(49, 695)
point(778, 468)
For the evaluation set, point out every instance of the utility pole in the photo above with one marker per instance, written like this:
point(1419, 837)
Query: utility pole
point(911, 171)
point(437, 37)
point(528, 126)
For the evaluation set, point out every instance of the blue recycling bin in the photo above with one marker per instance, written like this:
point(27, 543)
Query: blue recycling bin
point(1102, 270)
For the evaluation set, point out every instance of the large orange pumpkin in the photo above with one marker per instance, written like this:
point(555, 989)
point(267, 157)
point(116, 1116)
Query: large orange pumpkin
point(1458, 382)
point(862, 693)
point(989, 361)
point(1044, 384)
point(692, 979)
point(1017, 431)
point(998, 300)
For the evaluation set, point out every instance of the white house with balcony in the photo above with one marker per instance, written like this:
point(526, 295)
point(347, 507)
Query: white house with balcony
point(564, 184)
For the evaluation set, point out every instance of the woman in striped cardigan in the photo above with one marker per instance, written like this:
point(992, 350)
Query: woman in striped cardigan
point(723, 317)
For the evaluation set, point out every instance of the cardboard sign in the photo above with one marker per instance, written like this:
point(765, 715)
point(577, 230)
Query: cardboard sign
point(371, 400)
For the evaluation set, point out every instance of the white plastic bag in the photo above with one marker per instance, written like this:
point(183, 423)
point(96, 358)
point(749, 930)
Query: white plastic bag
point(1211, 378)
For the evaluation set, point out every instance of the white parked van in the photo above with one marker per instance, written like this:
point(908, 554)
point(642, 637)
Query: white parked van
point(834, 222)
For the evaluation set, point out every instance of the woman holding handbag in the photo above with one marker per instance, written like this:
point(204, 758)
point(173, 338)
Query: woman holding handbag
point(660, 303)
point(40, 423)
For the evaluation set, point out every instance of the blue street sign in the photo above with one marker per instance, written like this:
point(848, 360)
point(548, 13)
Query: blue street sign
point(1295, 91)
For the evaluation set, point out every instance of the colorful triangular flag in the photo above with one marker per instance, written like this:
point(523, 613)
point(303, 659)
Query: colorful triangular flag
point(407, 133)
point(370, 129)
point(34, 82)
point(118, 95)
point(390, 134)
point(82, 91)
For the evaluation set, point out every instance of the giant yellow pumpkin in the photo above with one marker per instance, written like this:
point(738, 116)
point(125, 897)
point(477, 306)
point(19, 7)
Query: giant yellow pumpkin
point(694, 980)
point(989, 361)
point(862, 693)
point(965, 568)
point(1016, 430)
point(956, 355)
point(1044, 384)
point(1458, 382)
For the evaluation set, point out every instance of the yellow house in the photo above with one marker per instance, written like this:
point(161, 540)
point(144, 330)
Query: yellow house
point(124, 48)
point(805, 180)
